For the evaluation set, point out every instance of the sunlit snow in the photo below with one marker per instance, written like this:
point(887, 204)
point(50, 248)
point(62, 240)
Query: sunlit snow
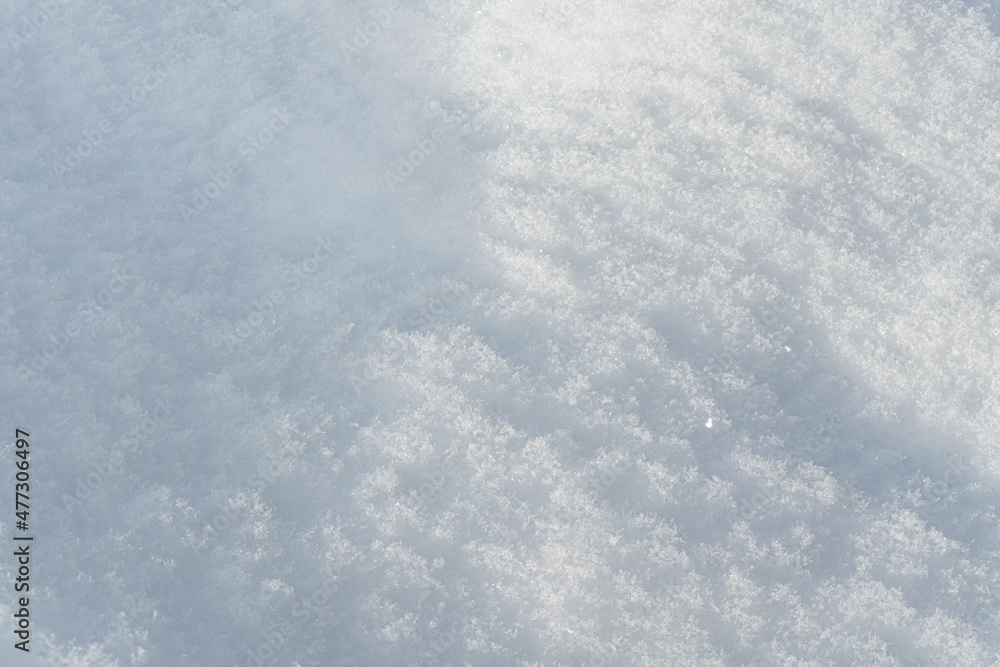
point(512, 333)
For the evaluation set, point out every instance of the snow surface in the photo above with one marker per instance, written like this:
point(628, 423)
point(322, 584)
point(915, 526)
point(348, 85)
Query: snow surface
point(675, 343)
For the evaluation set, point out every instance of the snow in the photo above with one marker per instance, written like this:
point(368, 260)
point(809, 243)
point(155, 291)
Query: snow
point(521, 333)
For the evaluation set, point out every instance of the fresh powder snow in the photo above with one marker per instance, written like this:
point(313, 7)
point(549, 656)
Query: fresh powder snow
point(538, 333)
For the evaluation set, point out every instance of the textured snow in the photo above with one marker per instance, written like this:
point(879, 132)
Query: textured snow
point(515, 333)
